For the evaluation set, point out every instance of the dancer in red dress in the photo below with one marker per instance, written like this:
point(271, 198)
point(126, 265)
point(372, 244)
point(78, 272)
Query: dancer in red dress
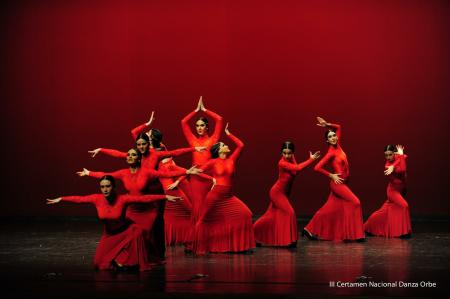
point(278, 226)
point(177, 215)
point(135, 180)
point(200, 186)
point(392, 219)
point(122, 244)
point(225, 222)
point(340, 218)
point(149, 160)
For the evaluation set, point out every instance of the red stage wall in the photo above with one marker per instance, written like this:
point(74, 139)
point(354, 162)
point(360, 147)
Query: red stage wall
point(80, 74)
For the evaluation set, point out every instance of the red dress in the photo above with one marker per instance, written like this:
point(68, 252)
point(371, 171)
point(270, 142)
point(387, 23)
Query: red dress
point(177, 215)
point(278, 226)
point(225, 223)
point(145, 215)
point(340, 218)
point(122, 241)
point(200, 186)
point(139, 213)
point(392, 219)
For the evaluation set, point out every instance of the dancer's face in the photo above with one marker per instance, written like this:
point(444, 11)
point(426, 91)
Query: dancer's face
point(332, 138)
point(223, 149)
point(106, 188)
point(201, 127)
point(142, 145)
point(389, 155)
point(287, 154)
point(149, 134)
point(132, 157)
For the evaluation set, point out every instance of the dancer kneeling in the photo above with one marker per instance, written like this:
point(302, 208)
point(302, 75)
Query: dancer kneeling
point(122, 243)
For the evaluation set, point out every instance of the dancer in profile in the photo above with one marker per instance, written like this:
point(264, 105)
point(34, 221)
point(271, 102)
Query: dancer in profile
point(278, 225)
point(340, 218)
point(122, 244)
point(225, 222)
point(200, 186)
point(392, 219)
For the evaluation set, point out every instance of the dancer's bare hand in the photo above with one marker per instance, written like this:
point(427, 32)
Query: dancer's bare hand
point(322, 122)
point(95, 152)
point(173, 198)
point(173, 185)
point(53, 201)
point(151, 120)
point(336, 178)
point(226, 130)
point(314, 156)
point(389, 170)
point(84, 172)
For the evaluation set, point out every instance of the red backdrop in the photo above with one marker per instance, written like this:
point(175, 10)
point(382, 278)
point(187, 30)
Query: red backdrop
point(80, 74)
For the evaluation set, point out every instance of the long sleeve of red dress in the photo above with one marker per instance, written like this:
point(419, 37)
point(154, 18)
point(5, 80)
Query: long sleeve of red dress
point(338, 129)
point(293, 166)
point(81, 199)
point(113, 153)
point(186, 129)
point(99, 174)
point(138, 130)
point(218, 125)
point(319, 166)
point(400, 163)
point(155, 156)
point(239, 147)
point(174, 153)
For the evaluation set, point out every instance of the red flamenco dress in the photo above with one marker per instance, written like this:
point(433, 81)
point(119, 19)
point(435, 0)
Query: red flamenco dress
point(225, 223)
point(340, 218)
point(122, 241)
point(177, 215)
point(145, 215)
point(278, 225)
point(392, 219)
point(150, 215)
point(198, 184)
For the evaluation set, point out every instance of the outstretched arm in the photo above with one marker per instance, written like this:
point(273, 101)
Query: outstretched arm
point(239, 144)
point(109, 152)
point(175, 153)
point(75, 199)
point(297, 167)
point(218, 124)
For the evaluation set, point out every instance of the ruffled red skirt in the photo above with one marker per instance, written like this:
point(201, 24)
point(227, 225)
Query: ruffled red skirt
point(126, 248)
point(340, 218)
point(150, 218)
point(177, 217)
point(392, 219)
point(278, 225)
point(225, 224)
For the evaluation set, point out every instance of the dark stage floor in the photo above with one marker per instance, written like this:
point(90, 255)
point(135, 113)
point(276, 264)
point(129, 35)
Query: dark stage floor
point(53, 259)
